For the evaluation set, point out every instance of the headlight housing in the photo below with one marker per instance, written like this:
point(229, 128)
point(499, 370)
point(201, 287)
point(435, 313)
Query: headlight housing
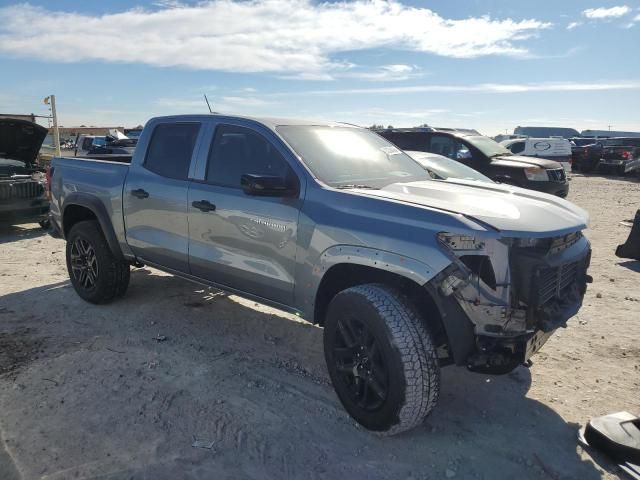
point(536, 174)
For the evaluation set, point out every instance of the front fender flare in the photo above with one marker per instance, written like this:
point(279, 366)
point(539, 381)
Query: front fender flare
point(401, 265)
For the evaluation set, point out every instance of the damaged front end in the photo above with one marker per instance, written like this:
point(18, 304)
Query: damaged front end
point(515, 291)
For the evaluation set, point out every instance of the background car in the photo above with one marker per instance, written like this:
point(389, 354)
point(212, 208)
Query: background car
point(585, 154)
point(23, 196)
point(558, 149)
point(443, 168)
point(486, 156)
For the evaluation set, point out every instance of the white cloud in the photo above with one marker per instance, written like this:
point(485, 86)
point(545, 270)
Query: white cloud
point(395, 72)
point(600, 13)
point(477, 88)
point(297, 37)
point(573, 25)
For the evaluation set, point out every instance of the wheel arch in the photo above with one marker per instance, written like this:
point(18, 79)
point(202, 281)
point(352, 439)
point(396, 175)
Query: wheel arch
point(81, 207)
point(342, 276)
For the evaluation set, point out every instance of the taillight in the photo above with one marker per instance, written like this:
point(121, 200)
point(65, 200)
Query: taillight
point(626, 154)
point(49, 174)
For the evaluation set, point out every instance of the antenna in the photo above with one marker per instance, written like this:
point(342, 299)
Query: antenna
point(207, 100)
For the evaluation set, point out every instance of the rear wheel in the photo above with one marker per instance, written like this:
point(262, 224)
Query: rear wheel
point(381, 359)
point(95, 273)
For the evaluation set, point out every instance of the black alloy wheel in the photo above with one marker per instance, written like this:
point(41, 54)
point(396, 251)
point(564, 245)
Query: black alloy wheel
point(360, 364)
point(84, 263)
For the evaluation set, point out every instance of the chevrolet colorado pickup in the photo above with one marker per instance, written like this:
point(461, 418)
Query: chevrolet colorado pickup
point(334, 223)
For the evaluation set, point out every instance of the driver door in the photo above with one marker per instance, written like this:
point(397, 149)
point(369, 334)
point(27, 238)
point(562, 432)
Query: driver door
point(243, 242)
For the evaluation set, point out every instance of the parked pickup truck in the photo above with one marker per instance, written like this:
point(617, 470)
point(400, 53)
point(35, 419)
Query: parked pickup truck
point(621, 154)
point(334, 223)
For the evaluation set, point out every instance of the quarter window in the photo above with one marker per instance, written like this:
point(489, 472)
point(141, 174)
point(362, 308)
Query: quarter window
point(170, 149)
point(237, 151)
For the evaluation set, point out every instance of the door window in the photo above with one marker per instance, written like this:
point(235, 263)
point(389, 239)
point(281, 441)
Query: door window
point(449, 147)
point(87, 143)
point(170, 149)
point(236, 151)
point(517, 147)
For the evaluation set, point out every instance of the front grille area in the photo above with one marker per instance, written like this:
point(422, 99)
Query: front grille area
point(19, 190)
point(557, 175)
point(552, 281)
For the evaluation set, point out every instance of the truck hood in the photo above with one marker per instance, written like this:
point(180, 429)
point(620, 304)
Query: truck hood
point(514, 211)
point(522, 161)
point(20, 140)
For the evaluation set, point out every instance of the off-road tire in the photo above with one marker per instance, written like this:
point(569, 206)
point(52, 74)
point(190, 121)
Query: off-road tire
point(113, 274)
point(407, 348)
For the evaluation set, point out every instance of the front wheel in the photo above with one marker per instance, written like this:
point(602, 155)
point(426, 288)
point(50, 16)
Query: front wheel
point(95, 273)
point(381, 359)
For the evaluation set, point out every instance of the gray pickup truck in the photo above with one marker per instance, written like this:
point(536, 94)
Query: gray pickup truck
point(333, 223)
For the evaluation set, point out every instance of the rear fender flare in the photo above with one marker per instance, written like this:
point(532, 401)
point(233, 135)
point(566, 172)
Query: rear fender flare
point(95, 205)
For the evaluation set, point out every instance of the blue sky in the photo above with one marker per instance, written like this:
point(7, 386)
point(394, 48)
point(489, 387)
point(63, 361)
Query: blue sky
point(490, 65)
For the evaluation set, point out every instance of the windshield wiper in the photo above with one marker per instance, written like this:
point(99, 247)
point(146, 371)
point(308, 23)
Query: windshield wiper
point(354, 185)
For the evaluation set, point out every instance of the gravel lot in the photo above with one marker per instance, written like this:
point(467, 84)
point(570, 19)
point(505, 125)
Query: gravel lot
point(91, 392)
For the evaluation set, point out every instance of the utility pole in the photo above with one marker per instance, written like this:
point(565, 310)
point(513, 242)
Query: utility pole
point(51, 100)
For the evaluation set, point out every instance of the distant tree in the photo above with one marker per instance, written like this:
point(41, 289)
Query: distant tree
point(423, 125)
point(376, 127)
point(389, 126)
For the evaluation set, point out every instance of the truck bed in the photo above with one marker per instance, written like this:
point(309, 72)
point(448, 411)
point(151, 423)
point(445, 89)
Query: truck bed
point(101, 179)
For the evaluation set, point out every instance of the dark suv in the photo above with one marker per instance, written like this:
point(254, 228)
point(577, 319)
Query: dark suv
point(484, 155)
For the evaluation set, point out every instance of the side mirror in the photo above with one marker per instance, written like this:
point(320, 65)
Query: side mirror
point(267, 186)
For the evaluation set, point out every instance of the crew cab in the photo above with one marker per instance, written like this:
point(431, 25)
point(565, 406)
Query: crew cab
point(23, 197)
point(485, 155)
point(621, 154)
point(334, 223)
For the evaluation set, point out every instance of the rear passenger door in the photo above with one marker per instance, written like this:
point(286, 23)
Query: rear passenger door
point(243, 242)
point(155, 196)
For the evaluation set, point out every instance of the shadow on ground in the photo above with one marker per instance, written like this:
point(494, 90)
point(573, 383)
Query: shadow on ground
point(123, 390)
point(15, 233)
point(633, 265)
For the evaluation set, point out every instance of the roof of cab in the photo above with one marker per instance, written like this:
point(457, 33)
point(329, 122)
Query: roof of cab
point(269, 122)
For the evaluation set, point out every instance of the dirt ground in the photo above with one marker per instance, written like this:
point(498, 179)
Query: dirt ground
point(91, 391)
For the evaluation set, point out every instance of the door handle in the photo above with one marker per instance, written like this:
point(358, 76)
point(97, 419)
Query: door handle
point(140, 193)
point(204, 206)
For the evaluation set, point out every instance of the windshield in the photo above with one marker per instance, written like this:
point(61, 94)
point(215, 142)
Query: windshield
point(487, 146)
point(346, 156)
point(446, 168)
